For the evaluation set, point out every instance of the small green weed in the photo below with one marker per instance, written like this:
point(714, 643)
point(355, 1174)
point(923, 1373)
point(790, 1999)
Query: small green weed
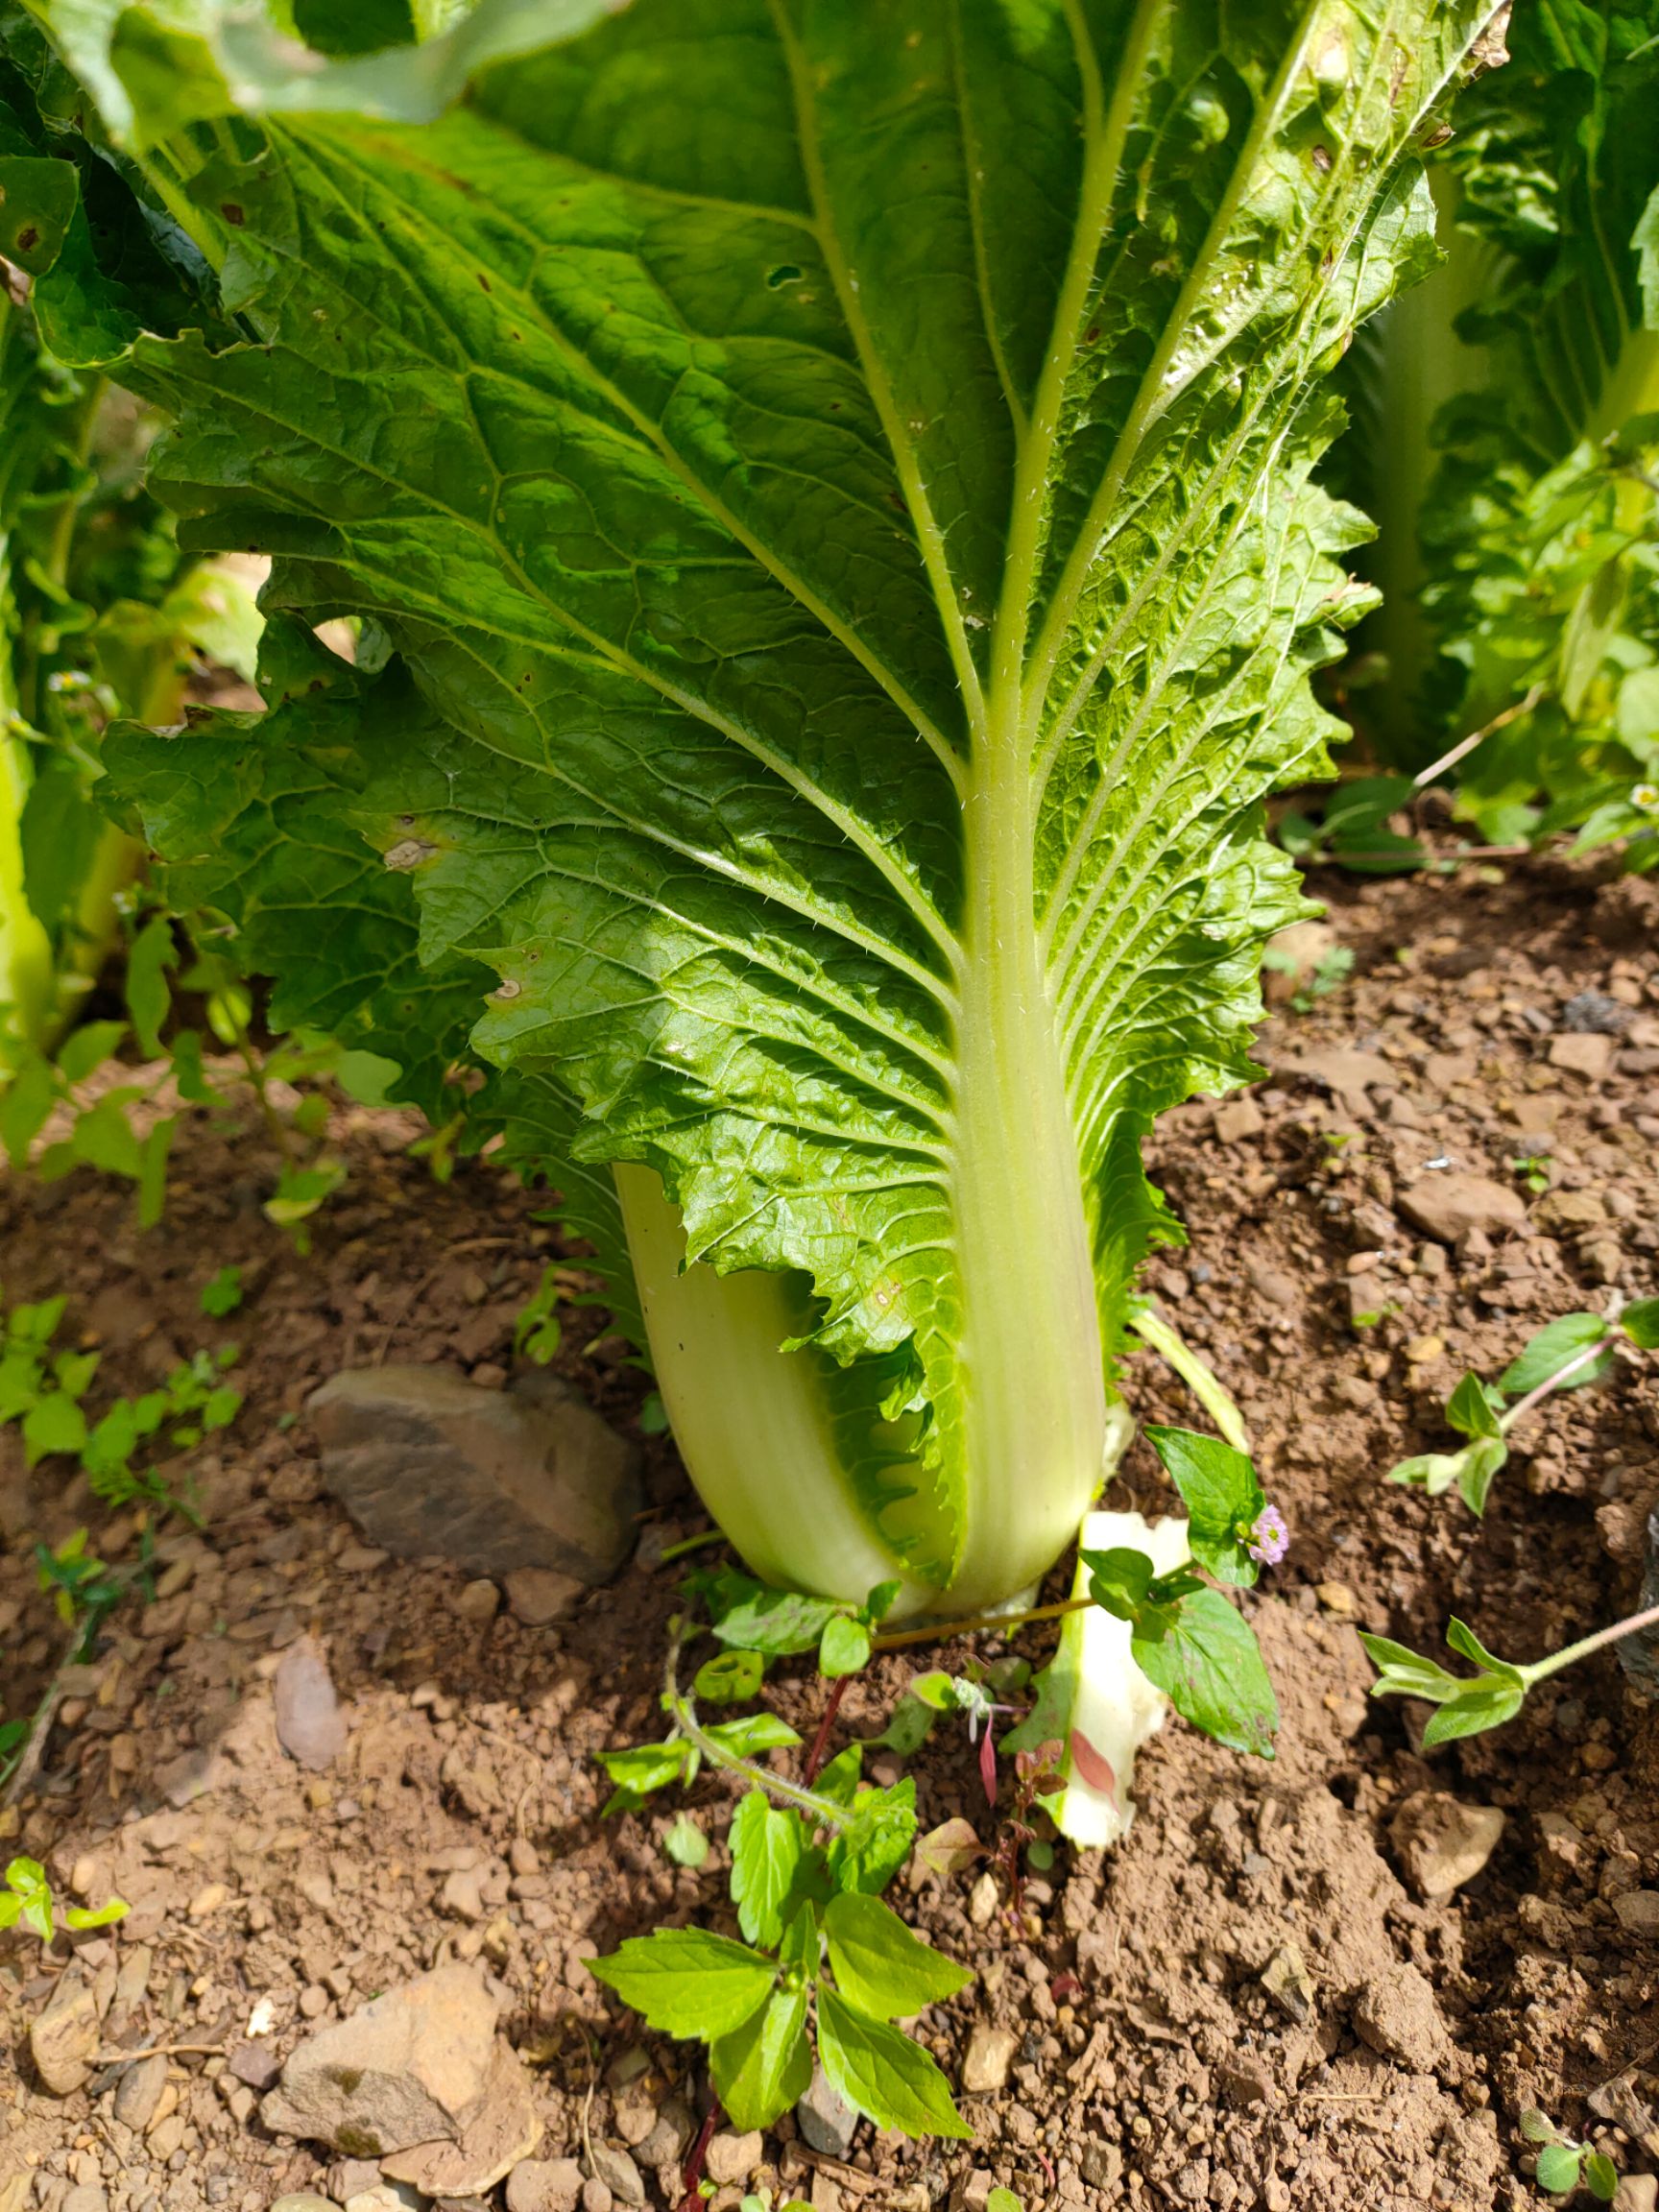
point(44, 1392)
point(1563, 2164)
point(26, 1901)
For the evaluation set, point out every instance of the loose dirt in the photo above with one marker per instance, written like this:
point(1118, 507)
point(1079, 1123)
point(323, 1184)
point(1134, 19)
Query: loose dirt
point(1248, 2004)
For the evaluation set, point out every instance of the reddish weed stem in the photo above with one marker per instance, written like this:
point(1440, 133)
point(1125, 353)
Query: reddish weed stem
point(691, 2174)
point(820, 1741)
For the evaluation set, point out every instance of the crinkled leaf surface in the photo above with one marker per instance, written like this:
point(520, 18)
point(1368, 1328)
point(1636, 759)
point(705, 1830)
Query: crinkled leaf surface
point(838, 481)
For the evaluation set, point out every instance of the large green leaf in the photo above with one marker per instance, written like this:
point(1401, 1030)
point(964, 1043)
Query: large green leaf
point(838, 482)
point(264, 819)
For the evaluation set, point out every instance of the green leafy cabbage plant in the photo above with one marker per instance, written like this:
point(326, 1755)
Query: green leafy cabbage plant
point(824, 494)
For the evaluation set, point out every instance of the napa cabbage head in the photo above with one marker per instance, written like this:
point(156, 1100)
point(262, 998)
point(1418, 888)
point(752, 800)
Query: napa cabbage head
point(825, 494)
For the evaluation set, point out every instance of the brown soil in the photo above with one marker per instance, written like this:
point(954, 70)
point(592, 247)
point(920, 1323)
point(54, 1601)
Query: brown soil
point(1147, 2064)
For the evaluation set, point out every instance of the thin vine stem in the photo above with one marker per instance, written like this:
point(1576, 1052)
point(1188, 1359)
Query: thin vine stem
point(1535, 1397)
point(1541, 1669)
point(824, 1810)
point(942, 1630)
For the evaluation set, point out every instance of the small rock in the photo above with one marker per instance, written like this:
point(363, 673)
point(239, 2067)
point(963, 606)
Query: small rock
point(1348, 1074)
point(85, 2198)
point(544, 2185)
point(1593, 1013)
point(349, 2177)
point(385, 2196)
point(825, 2118)
point(1336, 1597)
point(300, 2200)
point(494, 1480)
point(1589, 1055)
point(670, 2139)
point(982, 1901)
point(1239, 1119)
point(1571, 1210)
point(1450, 1206)
point(1398, 2017)
point(1271, 1283)
point(1284, 1978)
point(140, 2092)
point(618, 2173)
point(1638, 2193)
point(1442, 1069)
point(596, 2195)
point(310, 1726)
point(1441, 1844)
point(255, 2063)
point(990, 2054)
point(972, 2193)
point(64, 2038)
point(731, 2157)
point(460, 1894)
point(504, 2130)
point(1102, 2165)
point(633, 2120)
point(361, 1559)
point(1244, 2080)
point(540, 1595)
point(412, 2067)
point(478, 1601)
point(1638, 1911)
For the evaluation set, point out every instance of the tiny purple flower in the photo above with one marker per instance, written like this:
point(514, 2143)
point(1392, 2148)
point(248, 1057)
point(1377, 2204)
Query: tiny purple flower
point(1269, 1537)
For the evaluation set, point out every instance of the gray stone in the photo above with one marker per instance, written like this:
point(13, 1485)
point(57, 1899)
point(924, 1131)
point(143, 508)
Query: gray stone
point(428, 1464)
point(255, 2063)
point(64, 2038)
point(140, 2092)
point(1638, 1911)
point(310, 1726)
point(618, 2172)
point(670, 2139)
point(413, 2067)
point(1591, 1013)
point(825, 2118)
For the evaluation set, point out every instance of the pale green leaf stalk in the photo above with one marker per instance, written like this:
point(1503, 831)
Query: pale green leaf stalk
point(829, 489)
